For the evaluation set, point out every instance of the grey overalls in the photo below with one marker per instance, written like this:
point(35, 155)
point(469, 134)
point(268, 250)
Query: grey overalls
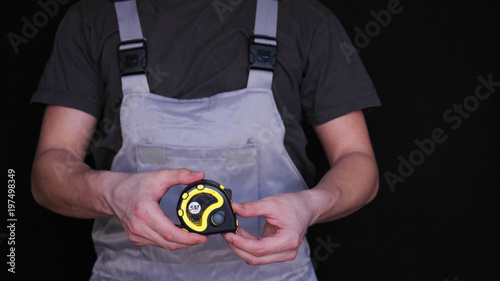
point(236, 138)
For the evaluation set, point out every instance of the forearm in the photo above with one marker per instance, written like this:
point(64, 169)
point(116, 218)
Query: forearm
point(64, 184)
point(351, 182)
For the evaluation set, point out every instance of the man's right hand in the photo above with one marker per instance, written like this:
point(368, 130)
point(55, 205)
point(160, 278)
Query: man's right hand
point(134, 201)
point(63, 183)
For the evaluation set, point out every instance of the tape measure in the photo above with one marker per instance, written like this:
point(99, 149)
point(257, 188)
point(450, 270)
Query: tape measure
point(204, 207)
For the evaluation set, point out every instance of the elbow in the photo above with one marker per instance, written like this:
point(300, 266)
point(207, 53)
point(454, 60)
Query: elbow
point(374, 187)
point(43, 179)
point(373, 191)
point(39, 183)
point(36, 190)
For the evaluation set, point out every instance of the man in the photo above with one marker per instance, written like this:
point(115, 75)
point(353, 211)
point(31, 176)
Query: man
point(198, 109)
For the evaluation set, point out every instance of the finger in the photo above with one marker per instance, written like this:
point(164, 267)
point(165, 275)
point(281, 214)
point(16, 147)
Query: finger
point(142, 235)
point(257, 247)
point(173, 238)
point(278, 242)
point(251, 208)
point(245, 234)
point(265, 207)
point(153, 238)
point(229, 235)
point(256, 257)
point(160, 241)
point(162, 180)
point(141, 241)
point(261, 260)
point(179, 176)
point(146, 232)
point(169, 232)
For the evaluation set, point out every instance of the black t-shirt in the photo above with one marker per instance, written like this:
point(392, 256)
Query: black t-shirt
point(198, 49)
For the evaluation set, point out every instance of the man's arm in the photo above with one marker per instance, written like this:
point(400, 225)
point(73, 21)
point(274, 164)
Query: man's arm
point(63, 183)
point(350, 183)
point(352, 180)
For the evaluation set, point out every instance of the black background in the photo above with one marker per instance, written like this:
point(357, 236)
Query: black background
point(441, 223)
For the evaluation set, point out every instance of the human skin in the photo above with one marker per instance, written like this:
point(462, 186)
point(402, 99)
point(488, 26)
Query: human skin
point(63, 183)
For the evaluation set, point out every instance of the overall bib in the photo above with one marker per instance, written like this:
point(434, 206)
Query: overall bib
point(236, 138)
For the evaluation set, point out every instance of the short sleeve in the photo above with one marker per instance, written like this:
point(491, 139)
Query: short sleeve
point(335, 81)
point(70, 77)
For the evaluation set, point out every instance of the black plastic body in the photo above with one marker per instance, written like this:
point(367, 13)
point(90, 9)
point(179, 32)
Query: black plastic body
point(230, 222)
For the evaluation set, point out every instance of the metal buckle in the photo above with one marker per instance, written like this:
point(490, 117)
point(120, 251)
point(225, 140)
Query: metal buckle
point(133, 57)
point(263, 53)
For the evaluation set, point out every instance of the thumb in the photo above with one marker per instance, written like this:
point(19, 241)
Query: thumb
point(186, 176)
point(169, 178)
point(250, 209)
point(181, 176)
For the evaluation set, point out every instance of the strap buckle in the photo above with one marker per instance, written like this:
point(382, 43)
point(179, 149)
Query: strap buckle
point(133, 57)
point(263, 52)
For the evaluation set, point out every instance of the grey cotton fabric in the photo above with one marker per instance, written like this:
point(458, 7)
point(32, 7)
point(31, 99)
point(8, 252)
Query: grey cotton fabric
point(245, 152)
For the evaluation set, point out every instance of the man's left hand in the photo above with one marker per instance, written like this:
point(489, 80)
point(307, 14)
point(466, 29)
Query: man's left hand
point(287, 218)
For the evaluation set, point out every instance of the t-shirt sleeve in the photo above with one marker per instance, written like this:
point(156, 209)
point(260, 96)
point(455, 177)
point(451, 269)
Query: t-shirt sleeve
point(335, 80)
point(70, 77)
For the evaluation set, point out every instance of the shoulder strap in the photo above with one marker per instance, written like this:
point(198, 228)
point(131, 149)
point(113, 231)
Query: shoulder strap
point(132, 50)
point(263, 45)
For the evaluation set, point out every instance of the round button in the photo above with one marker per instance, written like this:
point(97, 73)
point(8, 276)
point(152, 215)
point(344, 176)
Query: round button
point(218, 218)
